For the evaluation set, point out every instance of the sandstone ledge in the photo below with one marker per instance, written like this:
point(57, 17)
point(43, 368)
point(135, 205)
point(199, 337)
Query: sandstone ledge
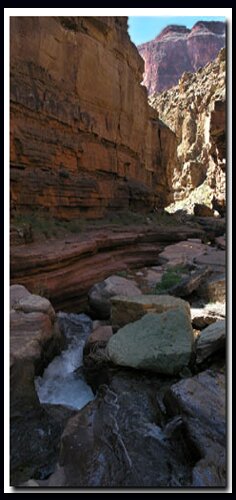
point(65, 270)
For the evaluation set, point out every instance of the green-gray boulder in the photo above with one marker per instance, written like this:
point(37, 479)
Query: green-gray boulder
point(158, 342)
point(128, 309)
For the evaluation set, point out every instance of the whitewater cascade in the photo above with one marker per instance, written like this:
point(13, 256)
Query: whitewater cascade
point(62, 383)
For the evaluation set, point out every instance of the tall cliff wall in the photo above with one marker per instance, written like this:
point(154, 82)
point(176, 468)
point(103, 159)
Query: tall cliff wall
point(196, 111)
point(178, 49)
point(83, 137)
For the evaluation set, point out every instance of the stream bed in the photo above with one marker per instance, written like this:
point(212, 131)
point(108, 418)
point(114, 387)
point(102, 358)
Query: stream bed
point(62, 383)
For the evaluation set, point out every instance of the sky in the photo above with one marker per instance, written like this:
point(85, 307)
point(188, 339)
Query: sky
point(143, 29)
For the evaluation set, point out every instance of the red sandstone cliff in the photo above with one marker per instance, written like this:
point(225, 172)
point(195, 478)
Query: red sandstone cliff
point(178, 49)
point(83, 137)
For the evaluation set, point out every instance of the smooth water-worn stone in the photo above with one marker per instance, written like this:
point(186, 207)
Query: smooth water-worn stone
point(35, 303)
point(157, 342)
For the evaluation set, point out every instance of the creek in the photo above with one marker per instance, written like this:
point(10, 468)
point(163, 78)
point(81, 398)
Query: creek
point(62, 382)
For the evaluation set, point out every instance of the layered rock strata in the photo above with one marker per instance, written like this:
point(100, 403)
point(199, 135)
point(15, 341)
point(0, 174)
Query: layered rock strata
point(65, 270)
point(178, 49)
point(83, 137)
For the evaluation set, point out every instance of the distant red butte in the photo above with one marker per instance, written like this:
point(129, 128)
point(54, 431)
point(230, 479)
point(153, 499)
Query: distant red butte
point(178, 49)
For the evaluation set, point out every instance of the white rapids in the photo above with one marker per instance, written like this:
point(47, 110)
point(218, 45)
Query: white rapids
point(60, 384)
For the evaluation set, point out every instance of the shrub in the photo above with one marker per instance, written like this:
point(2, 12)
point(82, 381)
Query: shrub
point(170, 278)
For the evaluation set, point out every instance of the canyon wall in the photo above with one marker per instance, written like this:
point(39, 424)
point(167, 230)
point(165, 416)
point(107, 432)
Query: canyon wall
point(178, 49)
point(83, 138)
point(196, 111)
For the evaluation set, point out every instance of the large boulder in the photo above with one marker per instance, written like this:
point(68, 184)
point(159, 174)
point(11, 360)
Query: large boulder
point(211, 340)
point(157, 342)
point(35, 303)
point(128, 309)
point(100, 294)
point(119, 440)
point(35, 337)
point(200, 400)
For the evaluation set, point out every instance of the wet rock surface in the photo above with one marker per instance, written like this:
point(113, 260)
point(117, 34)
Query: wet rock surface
point(35, 442)
point(119, 440)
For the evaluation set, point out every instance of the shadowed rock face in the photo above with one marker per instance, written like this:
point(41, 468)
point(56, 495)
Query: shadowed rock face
point(201, 402)
point(83, 137)
point(178, 49)
point(118, 440)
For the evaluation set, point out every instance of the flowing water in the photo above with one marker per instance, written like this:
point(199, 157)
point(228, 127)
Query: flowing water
point(61, 383)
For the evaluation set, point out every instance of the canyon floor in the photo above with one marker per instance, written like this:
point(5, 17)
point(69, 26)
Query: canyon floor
point(99, 399)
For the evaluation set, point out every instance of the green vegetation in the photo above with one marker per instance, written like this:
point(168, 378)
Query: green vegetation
point(170, 278)
point(122, 274)
point(42, 223)
point(179, 268)
point(47, 225)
